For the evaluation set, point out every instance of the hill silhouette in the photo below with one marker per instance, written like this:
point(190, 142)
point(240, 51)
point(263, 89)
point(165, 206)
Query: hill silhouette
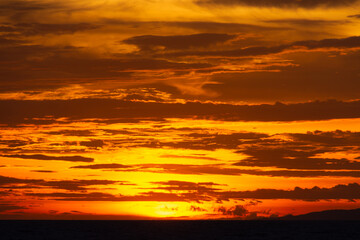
point(339, 214)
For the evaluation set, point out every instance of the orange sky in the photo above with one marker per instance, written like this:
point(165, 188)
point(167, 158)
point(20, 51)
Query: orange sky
point(178, 109)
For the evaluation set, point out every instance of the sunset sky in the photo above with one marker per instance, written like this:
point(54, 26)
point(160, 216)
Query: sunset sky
point(178, 109)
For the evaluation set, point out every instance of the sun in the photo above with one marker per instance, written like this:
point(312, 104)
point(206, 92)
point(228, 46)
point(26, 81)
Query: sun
point(165, 209)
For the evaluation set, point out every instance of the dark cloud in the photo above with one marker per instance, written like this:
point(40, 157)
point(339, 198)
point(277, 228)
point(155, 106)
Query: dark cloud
point(294, 159)
point(350, 42)
point(66, 65)
point(24, 11)
point(104, 166)
point(23, 5)
point(51, 158)
point(219, 169)
point(10, 180)
point(306, 22)
point(145, 196)
point(189, 169)
point(200, 26)
point(6, 28)
point(330, 138)
point(316, 76)
point(77, 185)
point(103, 110)
point(94, 196)
point(300, 173)
point(4, 207)
point(15, 143)
point(211, 141)
point(79, 133)
point(244, 52)
point(355, 16)
point(44, 171)
point(186, 186)
point(28, 29)
point(181, 191)
point(223, 27)
point(190, 157)
point(350, 191)
point(281, 3)
point(94, 143)
point(238, 211)
point(6, 41)
point(71, 185)
point(148, 42)
point(197, 209)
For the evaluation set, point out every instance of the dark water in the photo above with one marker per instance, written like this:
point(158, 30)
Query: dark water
point(68, 230)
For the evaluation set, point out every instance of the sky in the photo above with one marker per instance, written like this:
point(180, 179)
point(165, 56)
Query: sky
point(178, 109)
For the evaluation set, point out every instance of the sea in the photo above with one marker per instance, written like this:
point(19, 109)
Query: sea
point(178, 230)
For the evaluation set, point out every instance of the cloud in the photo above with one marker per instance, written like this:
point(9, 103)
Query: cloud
point(26, 11)
point(178, 191)
point(221, 26)
point(262, 144)
point(77, 185)
point(23, 5)
point(349, 42)
point(103, 166)
point(197, 209)
point(71, 185)
point(294, 159)
point(220, 169)
point(354, 16)
point(4, 207)
point(238, 211)
point(10, 180)
point(145, 196)
point(315, 76)
point(341, 43)
point(178, 42)
point(67, 132)
point(51, 158)
point(14, 143)
point(281, 3)
point(29, 29)
point(204, 27)
point(190, 157)
point(44, 171)
point(93, 196)
point(212, 141)
point(68, 65)
point(306, 22)
point(6, 41)
point(340, 191)
point(329, 138)
point(104, 110)
point(186, 186)
point(189, 169)
point(94, 143)
point(45, 67)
